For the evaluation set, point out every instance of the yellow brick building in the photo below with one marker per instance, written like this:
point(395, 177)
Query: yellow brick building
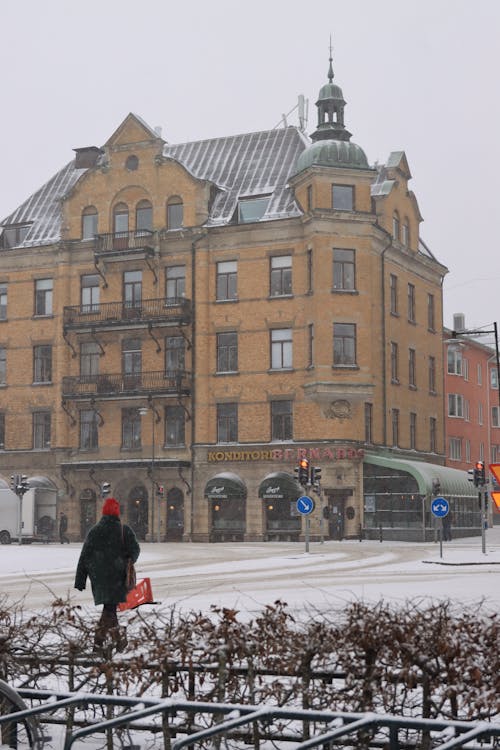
point(187, 321)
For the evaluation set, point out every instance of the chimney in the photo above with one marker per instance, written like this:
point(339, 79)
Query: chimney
point(458, 322)
point(87, 157)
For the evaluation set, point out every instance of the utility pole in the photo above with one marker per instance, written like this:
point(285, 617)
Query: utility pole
point(19, 484)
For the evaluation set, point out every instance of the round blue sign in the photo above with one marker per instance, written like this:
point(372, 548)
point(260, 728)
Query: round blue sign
point(440, 507)
point(305, 505)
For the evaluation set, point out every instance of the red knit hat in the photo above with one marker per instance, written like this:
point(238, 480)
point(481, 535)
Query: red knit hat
point(111, 507)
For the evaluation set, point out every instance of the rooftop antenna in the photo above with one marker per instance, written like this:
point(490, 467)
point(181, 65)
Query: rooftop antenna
point(302, 107)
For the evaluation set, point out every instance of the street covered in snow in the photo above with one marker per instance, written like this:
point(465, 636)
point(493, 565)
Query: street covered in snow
point(223, 606)
point(246, 577)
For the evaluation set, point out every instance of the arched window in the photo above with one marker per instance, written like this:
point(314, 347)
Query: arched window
point(144, 215)
point(89, 222)
point(395, 226)
point(406, 233)
point(175, 212)
point(120, 218)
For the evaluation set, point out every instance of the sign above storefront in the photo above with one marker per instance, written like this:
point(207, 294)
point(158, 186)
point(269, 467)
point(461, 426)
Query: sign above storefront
point(288, 455)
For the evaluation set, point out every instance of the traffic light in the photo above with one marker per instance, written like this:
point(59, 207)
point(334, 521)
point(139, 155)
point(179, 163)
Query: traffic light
point(160, 490)
point(326, 511)
point(105, 489)
point(479, 474)
point(304, 472)
point(19, 484)
point(471, 475)
point(436, 486)
point(316, 475)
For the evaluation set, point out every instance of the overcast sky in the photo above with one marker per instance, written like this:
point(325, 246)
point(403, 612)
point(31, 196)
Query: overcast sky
point(417, 75)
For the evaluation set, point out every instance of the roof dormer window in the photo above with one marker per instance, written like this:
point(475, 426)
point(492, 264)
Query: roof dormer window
point(252, 209)
point(13, 236)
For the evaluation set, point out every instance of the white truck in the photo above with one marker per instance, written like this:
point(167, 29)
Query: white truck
point(39, 516)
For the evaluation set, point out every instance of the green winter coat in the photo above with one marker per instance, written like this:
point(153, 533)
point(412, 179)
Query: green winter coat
point(103, 560)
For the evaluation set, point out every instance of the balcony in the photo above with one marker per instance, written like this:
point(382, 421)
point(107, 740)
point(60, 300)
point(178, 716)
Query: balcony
point(118, 244)
point(160, 312)
point(115, 386)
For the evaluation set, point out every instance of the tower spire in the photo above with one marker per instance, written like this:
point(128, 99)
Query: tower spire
point(330, 69)
point(330, 106)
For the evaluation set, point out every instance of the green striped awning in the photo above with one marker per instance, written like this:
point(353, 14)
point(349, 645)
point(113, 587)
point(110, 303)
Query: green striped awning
point(453, 482)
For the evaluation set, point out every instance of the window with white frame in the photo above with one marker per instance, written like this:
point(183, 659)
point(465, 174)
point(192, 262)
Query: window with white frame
point(466, 410)
point(343, 197)
point(465, 368)
point(89, 293)
point(413, 430)
point(252, 209)
point(281, 420)
point(89, 223)
point(479, 373)
point(226, 280)
point(433, 434)
point(281, 348)
point(431, 313)
point(43, 296)
point(412, 368)
point(227, 423)
point(480, 417)
point(3, 301)
point(344, 267)
point(41, 430)
point(467, 451)
point(281, 275)
point(394, 362)
point(494, 377)
point(455, 405)
point(175, 283)
point(455, 449)
point(395, 426)
point(495, 416)
point(432, 375)
point(454, 361)
point(394, 294)
point(344, 344)
point(411, 303)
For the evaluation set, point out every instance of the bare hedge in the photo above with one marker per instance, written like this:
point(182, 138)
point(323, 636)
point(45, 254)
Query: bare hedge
point(433, 660)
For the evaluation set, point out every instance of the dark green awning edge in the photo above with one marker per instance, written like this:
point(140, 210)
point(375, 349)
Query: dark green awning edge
point(453, 482)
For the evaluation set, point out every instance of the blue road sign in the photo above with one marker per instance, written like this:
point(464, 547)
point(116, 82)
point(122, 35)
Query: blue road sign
point(440, 507)
point(305, 505)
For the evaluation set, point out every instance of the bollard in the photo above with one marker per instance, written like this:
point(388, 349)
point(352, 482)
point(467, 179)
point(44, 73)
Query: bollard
point(381, 537)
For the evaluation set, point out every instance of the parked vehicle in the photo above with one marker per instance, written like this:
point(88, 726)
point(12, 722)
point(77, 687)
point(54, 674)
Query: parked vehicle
point(39, 516)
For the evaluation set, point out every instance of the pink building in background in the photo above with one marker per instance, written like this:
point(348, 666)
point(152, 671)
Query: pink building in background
point(472, 409)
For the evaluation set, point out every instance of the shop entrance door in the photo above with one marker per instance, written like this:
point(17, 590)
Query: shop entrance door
point(335, 502)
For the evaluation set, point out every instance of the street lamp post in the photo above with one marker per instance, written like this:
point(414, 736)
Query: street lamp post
point(155, 508)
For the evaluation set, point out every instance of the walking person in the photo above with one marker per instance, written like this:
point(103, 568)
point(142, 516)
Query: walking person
point(103, 559)
point(63, 528)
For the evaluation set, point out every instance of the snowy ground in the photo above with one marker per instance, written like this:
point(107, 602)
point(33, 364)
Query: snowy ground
point(249, 576)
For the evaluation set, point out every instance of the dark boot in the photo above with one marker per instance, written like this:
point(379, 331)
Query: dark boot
point(106, 625)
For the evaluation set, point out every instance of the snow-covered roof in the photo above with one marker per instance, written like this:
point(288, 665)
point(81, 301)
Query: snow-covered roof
point(240, 166)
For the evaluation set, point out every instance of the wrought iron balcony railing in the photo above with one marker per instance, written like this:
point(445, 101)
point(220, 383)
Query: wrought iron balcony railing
point(168, 311)
point(123, 243)
point(112, 386)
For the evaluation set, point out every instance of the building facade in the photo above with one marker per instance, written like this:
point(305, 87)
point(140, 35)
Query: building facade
point(187, 321)
point(472, 401)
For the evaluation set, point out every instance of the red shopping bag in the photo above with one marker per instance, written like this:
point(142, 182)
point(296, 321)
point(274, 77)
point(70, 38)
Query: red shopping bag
point(141, 594)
